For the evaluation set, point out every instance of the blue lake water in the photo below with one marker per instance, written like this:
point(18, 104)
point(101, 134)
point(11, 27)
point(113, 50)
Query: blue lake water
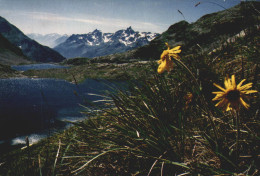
point(37, 67)
point(34, 107)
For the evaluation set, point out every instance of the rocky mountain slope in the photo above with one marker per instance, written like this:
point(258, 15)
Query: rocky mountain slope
point(50, 40)
point(10, 54)
point(206, 34)
point(97, 43)
point(29, 47)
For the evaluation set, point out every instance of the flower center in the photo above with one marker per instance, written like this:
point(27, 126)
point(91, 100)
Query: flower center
point(233, 95)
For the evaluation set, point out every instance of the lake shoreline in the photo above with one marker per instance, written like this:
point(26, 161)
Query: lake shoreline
point(39, 99)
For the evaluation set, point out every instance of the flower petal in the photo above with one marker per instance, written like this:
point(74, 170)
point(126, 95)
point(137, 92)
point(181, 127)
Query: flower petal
point(233, 101)
point(218, 92)
point(238, 86)
point(220, 102)
point(162, 67)
point(175, 56)
point(217, 98)
point(246, 86)
point(249, 91)
point(227, 83)
point(216, 85)
point(168, 46)
point(233, 81)
point(228, 108)
point(176, 48)
point(244, 103)
point(164, 54)
point(224, 104)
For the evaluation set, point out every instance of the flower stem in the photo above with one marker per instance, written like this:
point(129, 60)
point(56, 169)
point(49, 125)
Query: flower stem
point(237, 137)
point(182, 64)
point(202, 99)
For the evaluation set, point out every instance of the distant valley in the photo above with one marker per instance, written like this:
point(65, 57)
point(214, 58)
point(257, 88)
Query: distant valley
point(50, 40)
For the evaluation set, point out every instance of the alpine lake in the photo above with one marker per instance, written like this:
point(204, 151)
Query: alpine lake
point(39, 107)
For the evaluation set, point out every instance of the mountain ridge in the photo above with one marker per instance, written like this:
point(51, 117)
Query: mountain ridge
point(206, 33)
point(97, 43)
point(29, 47)
point(10, 54)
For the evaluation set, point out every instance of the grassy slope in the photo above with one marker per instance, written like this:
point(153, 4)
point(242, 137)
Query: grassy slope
point(7, 72)
point(101, 133)
point(87, 139)
point(93, 70)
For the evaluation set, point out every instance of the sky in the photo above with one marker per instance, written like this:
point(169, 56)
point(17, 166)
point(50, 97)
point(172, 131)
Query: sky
point(84, 16)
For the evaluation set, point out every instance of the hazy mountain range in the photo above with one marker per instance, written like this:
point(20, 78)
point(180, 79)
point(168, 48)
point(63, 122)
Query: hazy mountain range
point(18, 48)
point(96, 43)
point(50, 40)
point(30, 48)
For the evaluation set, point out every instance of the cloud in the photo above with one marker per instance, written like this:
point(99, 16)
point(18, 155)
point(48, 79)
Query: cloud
point(43, 22)
point(95, 20)
point(58, 18)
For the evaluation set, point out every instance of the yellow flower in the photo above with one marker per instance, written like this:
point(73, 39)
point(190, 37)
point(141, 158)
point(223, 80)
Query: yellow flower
point(232, 96)
point(165, 61)
point(166, 64)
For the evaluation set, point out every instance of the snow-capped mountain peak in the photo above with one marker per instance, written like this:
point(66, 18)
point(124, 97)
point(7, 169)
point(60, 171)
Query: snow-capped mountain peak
point(84, 45)
point(126, 37)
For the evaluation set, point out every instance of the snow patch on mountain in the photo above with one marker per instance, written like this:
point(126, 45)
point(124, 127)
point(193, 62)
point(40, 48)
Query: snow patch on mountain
point(97, 43)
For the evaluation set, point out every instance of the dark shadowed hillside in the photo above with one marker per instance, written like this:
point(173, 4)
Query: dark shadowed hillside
point(10, 54)
point(206, 34)
point(30, 48)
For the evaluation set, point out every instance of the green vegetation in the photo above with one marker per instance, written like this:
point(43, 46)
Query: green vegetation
point(164, 123)
point(78, 73)
point(7, 72)
point(149, 129)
